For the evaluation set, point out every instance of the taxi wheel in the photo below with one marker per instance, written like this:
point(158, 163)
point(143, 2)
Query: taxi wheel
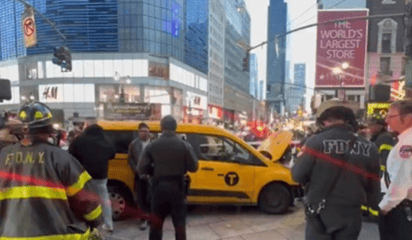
point(120, 202)
point(274, 199)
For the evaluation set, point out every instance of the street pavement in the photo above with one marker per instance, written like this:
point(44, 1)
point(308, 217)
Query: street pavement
point(233, 223)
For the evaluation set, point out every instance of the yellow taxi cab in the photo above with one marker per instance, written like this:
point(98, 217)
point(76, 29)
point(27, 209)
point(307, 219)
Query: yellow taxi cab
point(230, 171)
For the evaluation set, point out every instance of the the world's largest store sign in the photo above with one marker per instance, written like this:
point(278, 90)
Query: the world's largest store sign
point(341, 49)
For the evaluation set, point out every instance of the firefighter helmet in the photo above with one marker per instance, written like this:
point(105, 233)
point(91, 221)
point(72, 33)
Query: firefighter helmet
point(337, 109)
point(36, 116)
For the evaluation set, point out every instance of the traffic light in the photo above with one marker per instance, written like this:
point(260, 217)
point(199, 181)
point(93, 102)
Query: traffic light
point(63, 58)
point(246, 63)
point(408, 32)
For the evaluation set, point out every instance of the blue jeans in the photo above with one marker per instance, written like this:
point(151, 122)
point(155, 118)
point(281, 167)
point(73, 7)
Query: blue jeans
point(101, 188)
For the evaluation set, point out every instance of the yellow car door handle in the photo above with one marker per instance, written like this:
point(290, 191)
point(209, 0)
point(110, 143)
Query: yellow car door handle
point(207, 169)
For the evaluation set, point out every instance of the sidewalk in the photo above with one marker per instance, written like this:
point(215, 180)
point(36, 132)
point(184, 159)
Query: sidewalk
point(246, 223)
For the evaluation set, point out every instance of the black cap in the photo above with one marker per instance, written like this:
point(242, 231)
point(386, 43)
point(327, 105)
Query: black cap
point(168, 123)
point(142, 125)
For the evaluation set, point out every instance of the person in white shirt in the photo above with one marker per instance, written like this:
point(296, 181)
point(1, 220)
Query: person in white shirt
point(395, 221)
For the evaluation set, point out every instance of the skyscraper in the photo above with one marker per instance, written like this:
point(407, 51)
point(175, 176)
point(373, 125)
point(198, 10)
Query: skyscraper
point(237, 99)
point(123, 52)
point(276, 56)
point(98, 26)
point(197, 33)
point(204, 47)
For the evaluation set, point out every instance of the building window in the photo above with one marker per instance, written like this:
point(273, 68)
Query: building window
point(386, 42)
point(385, 66)
point(403, 66)
point(387, 36)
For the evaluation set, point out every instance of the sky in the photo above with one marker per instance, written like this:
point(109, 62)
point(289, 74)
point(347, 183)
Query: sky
point(258, 10)
point(301, 12)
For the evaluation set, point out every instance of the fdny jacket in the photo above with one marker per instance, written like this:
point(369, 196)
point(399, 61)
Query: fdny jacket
point(323, 155)
point(385, 142)
point(45, 193)
point(168, 156)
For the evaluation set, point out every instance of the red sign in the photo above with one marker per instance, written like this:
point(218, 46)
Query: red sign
point(28, 27)
point(341, 49)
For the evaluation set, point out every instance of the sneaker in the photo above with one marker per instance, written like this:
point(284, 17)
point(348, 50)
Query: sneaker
point(107, 228)
point(143, 225)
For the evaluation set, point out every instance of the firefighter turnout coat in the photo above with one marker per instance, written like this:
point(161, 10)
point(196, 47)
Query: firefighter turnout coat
point(45, 193)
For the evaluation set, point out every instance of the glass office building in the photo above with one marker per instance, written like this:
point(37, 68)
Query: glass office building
point(196, 45)
point(140, 41)
point(143, 26)
point(276, 56)
point(237, 30)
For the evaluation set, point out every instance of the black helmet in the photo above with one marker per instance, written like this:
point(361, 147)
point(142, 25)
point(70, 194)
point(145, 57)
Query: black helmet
point(339, 110)
point(36, 116)
point(168, 123)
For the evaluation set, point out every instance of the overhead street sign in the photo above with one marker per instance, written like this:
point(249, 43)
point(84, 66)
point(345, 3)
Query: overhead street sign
point(29, 28)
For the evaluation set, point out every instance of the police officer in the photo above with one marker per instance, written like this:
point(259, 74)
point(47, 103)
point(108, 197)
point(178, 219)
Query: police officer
point(44, 192)
point(168, 159)
point(395, 220)
point(340, 173)
point(141, 185)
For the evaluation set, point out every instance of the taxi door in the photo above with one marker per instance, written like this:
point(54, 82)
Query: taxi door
point(223, 175)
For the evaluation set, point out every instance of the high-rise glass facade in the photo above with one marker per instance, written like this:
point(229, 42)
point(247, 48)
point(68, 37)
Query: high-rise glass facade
point(196, 44)
point(276, 56)
point(155, 27)
point(216, 39)
point(11, 33)
point(98, 26)
point(237, 30)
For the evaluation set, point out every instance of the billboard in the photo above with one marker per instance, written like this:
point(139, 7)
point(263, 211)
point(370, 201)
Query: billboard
point(132, 111)
point(341, 49)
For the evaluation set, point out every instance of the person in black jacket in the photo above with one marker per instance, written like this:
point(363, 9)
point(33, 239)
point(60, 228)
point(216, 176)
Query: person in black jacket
point(141, 186)
point(336, 156)
point(168, 159)
point(94, 150)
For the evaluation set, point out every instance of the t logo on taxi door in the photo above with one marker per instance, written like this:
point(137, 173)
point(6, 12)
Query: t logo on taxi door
point(231, 178)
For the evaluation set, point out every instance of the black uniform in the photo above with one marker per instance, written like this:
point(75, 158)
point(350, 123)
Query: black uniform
point(385, 142)
point(358, 183)
point(167, 160)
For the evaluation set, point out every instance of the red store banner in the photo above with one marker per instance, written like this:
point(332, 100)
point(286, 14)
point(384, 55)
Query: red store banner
point(341, 49)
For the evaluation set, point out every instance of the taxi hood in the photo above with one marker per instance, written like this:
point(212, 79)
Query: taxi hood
point(276, 144)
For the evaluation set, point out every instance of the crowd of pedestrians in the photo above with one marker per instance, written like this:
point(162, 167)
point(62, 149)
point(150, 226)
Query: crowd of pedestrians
point(346, 172)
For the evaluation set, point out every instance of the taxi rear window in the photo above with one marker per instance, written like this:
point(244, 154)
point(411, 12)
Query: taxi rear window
point(121, 139)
